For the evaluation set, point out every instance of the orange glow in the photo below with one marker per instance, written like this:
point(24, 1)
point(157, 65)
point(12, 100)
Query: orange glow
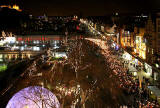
point(16, 7)
point(5, 6)
point(140, 83)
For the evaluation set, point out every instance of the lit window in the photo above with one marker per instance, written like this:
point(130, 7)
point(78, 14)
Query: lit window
point(152, 51)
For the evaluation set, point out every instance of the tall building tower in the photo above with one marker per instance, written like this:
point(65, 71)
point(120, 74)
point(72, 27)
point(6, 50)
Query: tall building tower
point(157, 53)
point(150, 40)
point(158, 33)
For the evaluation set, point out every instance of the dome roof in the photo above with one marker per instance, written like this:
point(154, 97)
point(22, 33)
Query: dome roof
point(34, 97)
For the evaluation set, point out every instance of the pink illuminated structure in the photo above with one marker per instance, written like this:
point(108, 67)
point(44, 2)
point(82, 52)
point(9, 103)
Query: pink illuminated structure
point(34, 97)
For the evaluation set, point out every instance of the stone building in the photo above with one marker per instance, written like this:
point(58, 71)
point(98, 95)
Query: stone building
point(150, 39)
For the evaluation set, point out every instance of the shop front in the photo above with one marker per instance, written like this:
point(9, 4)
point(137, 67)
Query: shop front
point(154, 93)
point(140, 48)
point(127, 59)
point(148, 69)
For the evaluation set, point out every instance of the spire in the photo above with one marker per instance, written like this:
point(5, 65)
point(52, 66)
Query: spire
point(150, 17)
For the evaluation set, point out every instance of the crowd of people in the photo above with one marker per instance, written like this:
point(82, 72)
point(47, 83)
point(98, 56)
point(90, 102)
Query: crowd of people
point(133, 88)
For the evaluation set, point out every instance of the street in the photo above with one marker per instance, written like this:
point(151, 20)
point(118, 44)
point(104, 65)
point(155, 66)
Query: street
point(89, 76)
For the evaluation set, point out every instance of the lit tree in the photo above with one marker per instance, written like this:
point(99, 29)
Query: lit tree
point(75, 55)
point(84, 97)
point(3, 34)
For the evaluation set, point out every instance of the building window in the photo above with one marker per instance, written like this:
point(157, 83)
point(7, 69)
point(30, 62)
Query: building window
point(152, 51)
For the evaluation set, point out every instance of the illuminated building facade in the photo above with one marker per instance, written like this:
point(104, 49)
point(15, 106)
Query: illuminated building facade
point(157, 41)
point(142, 40)
point(16, 7)
point(139, 44)
point(126, 38)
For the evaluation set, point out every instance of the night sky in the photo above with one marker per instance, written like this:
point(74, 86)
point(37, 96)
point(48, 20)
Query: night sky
point(84, 7)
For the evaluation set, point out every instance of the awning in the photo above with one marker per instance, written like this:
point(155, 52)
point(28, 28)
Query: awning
point(155, 90)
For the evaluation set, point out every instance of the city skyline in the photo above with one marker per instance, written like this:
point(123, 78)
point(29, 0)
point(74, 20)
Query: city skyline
point(86, 8)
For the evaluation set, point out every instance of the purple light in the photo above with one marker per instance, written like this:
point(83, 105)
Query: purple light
point(34, 97)
point(117, 47)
